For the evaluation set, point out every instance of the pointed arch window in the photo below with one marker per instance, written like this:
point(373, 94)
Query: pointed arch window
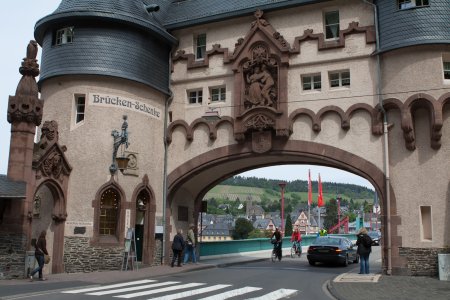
point(109, 212)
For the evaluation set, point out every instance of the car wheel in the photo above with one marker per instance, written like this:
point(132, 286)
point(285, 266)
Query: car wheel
point(311, 262)
point(345, 263)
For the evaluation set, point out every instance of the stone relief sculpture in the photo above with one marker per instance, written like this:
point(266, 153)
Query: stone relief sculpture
point(260, 79)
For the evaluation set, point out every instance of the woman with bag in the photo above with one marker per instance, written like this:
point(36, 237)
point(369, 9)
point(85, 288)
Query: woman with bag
point(190, 245)
point(364, 244)
point(40, 252)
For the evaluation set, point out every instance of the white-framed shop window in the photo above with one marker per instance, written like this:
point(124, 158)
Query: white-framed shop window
point(200, 46)
point(339, 78)
point(331, 22)
point(217, 94)
point(80, 107)
point(312, 82)
point(195, 96)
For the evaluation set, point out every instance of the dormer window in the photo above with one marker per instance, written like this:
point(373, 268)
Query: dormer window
point(405, 4)
point(64, 36)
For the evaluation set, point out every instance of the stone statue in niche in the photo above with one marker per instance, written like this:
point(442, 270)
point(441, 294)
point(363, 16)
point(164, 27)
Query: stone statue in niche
point(260, 79)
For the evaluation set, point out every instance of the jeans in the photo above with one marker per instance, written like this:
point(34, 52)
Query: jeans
point(364, 264)
point(40, 260)
point(190, 250)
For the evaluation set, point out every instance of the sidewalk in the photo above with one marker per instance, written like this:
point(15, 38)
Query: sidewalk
point(347, 286)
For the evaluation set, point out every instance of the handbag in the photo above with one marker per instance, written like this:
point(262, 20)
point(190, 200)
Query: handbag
point(46, 258)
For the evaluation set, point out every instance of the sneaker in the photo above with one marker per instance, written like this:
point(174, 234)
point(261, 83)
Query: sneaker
point(31, 278)
point(43, 279)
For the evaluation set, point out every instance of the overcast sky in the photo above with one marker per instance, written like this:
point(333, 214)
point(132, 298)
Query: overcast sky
point(17, 22)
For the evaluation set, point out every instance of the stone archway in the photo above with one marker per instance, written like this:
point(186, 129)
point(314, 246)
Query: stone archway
point(49, 213)
point(196, 176)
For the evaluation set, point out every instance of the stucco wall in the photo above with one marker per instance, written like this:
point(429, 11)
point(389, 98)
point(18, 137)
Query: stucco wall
point(90, 144)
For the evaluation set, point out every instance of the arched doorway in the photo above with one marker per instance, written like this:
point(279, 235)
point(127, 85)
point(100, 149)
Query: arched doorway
point(48, 214)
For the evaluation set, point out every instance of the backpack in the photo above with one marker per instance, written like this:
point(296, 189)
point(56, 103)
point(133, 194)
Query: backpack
point(366, 241)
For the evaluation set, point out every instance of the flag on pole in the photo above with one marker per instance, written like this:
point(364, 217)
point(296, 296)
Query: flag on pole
point(320, 197)
point(309, 188)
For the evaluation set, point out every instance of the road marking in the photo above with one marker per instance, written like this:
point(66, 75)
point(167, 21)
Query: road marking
point(275, 295)
point(99, 288)
point(232, 293)
point(134, 288)
point(168, 289)
point(193, 292)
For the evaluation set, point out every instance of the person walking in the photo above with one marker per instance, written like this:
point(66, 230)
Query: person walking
point(39, 252)
point(177, 247)
point(364, 243)
point(190, 245)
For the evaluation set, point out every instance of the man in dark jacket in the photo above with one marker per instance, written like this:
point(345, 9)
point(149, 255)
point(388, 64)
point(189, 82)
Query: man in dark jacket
point(177, 247)
point(364, 243)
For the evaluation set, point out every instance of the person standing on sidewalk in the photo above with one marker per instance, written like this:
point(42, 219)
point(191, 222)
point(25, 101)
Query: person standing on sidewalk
point(39, 252)
point(190, 245)
point(177, 247)
point(364, 243)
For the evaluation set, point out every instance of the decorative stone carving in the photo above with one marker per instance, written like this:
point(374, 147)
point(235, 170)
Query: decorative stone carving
point(261, 79)
point(261, 141)
point(133, 163)
point(259, 122)
point(25, 106)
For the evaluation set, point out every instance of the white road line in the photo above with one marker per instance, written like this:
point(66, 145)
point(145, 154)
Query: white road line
point(135, 288)
point(172, 288)
point(192, 293)
point(232, 293)
point(105, 287)
point(278, 294)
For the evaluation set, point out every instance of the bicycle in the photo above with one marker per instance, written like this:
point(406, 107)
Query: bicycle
point(295, 251)
point(276, 251)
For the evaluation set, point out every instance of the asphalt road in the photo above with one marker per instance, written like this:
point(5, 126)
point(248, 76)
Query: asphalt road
point(291, 278)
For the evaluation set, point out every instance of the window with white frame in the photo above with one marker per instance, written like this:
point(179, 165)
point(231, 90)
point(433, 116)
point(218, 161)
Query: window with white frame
point(312, 82)
point(80, 105)
point(446, 66)
point(195, 96)
point(405, 4)
point(331, 20)
point(217, 94)
point(200, 46)
point(339, 78)
point(63, 36)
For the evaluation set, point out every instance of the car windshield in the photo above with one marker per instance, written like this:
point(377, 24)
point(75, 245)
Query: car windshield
point(374, 234)
point(327, 241)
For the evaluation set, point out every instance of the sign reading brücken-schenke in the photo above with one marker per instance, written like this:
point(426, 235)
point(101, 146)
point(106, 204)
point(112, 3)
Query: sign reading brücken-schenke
point(124, 103)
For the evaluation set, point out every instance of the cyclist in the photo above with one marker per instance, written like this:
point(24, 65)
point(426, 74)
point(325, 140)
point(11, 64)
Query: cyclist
point(296, 240)
point(277, 242)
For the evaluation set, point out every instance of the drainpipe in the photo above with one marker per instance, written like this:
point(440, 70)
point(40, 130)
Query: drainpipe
point(386, 142)
point(166, 121)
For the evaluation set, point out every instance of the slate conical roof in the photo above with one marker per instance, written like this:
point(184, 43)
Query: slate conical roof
point(130, 12)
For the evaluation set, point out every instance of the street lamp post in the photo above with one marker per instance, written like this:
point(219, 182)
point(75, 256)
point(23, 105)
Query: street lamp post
point(282, 186)
point(338, 200)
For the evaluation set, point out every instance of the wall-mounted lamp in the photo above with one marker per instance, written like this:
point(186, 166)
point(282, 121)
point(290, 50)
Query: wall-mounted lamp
point(152, 8)
point(211, 115)
point(120, 140)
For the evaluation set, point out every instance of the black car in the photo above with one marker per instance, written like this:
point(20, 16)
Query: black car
point(375, 236)
point(332, 249)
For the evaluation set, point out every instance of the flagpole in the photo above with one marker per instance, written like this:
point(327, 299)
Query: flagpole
point(309, 201)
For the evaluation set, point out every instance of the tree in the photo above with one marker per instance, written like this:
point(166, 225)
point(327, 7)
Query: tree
point(242, 229)
point(288, 226)
point(331, 218)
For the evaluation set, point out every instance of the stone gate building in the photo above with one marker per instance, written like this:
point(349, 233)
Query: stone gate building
point(214, 88)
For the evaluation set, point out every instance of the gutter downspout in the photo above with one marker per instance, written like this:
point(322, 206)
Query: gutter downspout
point(386, 143)
point(166, 121)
